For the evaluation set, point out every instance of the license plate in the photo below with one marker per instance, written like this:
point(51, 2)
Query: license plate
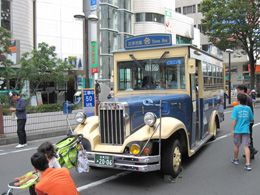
point(104, 160)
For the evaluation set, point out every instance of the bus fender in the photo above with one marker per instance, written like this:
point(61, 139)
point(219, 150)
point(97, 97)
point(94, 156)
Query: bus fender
point(170, 126)
point(214, 123)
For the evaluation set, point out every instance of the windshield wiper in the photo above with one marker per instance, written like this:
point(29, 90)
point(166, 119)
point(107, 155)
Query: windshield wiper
point(136, 62)
point(163, 55)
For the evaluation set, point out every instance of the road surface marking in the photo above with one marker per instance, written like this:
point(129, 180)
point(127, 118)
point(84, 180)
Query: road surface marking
point(228, 112)
point(102, 181)
point(256, 124)
point(16, 151)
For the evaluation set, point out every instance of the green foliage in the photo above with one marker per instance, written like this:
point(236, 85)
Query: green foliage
point(40, 108)
point(5, 41)
point(231, 23)
point(4, 99)
point(42, 65)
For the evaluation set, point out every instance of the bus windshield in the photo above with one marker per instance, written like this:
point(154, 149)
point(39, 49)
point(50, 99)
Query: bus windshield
point(151, 74)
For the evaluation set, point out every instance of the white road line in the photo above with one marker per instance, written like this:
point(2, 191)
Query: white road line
point(256, 124)
point(103, 181)
point(219, 138)
point(227, 135)
point(228, 112)
point(16, 151)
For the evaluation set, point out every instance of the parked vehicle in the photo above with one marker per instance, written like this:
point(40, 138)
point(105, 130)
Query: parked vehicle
point(168, 102)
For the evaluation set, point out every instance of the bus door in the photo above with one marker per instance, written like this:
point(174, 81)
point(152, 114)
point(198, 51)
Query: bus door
point(195, 126)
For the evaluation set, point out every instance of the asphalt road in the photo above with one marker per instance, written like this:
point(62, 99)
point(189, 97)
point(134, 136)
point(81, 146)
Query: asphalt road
point(208, 172)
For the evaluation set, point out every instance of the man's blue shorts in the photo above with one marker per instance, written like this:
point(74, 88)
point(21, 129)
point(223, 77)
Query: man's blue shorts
point(241, 138)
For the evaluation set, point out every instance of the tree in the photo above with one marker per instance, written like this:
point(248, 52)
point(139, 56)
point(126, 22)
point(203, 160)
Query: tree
point(5, 42)
point(42, 65)
point(231, 23)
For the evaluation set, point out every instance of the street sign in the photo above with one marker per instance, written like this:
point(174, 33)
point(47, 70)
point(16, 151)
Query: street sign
point(89, 101)
point(93, 4)
point(94, 62)
point(94, 70)
point(148, 40)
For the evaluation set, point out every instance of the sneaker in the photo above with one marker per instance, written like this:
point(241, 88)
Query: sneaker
point(19, 146)
point(25, 144)
point(236, 162)
point(248, 167)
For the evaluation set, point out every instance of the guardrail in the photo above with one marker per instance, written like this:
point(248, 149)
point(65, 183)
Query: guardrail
point(39, 122)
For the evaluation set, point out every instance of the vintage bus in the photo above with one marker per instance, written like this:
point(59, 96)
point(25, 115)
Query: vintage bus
point(168, 102)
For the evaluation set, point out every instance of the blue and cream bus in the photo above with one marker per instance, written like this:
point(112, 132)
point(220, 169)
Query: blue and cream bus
point(168, 102)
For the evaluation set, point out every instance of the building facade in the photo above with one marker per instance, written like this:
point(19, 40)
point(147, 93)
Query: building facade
point(115, 20)
point(59, 28)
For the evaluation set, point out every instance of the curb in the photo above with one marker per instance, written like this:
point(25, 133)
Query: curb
point(4, 140)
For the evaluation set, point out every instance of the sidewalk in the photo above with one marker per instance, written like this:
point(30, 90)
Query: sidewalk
point(34, 136)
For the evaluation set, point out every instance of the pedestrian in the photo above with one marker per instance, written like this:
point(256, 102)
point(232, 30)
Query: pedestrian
point(241, 115)
point(26, 178)
point(52, 181)
point(111, 93)
point(253, 94)
point(243, 89)
point(98, 89)
point(47, 148)
point(20, 110)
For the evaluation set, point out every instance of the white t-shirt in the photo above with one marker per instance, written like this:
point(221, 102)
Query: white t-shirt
point(54, 163)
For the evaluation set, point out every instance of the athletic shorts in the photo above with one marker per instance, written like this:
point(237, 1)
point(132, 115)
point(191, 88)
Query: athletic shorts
point(241, 138)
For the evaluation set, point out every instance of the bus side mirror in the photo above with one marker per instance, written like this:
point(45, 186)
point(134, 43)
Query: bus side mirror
point(112, 76)
point(191, 66)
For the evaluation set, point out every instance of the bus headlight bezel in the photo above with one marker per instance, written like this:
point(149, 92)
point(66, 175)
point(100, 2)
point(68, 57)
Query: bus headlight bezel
point(135, 149)
point(80, 117)
point(150, 119)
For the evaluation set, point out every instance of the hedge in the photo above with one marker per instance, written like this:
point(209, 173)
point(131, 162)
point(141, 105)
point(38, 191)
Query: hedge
point(40, 108)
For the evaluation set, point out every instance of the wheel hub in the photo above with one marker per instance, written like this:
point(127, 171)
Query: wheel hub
point(176, 158)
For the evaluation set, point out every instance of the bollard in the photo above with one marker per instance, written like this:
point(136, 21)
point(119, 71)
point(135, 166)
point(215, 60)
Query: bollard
point(1, 120)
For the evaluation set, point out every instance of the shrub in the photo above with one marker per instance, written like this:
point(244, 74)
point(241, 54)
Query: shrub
point(40, 108)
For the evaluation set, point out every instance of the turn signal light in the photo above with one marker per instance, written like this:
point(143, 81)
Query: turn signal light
point(146, 150)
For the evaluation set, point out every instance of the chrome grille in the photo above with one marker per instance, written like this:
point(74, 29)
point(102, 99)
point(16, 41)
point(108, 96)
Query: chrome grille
point(112, 123)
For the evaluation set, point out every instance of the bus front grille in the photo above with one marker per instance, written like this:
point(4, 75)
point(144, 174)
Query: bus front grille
point(112, 123)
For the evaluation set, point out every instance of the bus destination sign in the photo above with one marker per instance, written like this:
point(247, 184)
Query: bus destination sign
point(148, 40)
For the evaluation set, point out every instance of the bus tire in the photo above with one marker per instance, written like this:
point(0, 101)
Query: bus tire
point(172, 158)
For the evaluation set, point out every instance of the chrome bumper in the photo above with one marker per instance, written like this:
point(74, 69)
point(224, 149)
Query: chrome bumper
point(128, 162)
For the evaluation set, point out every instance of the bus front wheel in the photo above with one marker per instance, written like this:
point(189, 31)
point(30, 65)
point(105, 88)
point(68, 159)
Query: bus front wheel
point(172, 158)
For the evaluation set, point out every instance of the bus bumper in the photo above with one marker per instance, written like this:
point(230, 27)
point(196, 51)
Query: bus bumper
point(126, 162)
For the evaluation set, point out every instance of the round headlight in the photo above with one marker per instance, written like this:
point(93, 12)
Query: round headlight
point(150, 118)
point(80, 117)
point(135, 149)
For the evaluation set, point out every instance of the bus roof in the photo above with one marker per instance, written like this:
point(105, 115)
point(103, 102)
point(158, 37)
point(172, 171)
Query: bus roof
point(171, 46)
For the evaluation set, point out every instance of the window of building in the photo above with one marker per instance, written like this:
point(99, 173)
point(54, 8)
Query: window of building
point(199, 27)
point(109, 17)
point(5, 14)
point(245, 67)
point(112, 2)
point(149, 17)
point(183, 40)
point(178, 9)
point(127, 22)
point(189, 9)
point(198, 7)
